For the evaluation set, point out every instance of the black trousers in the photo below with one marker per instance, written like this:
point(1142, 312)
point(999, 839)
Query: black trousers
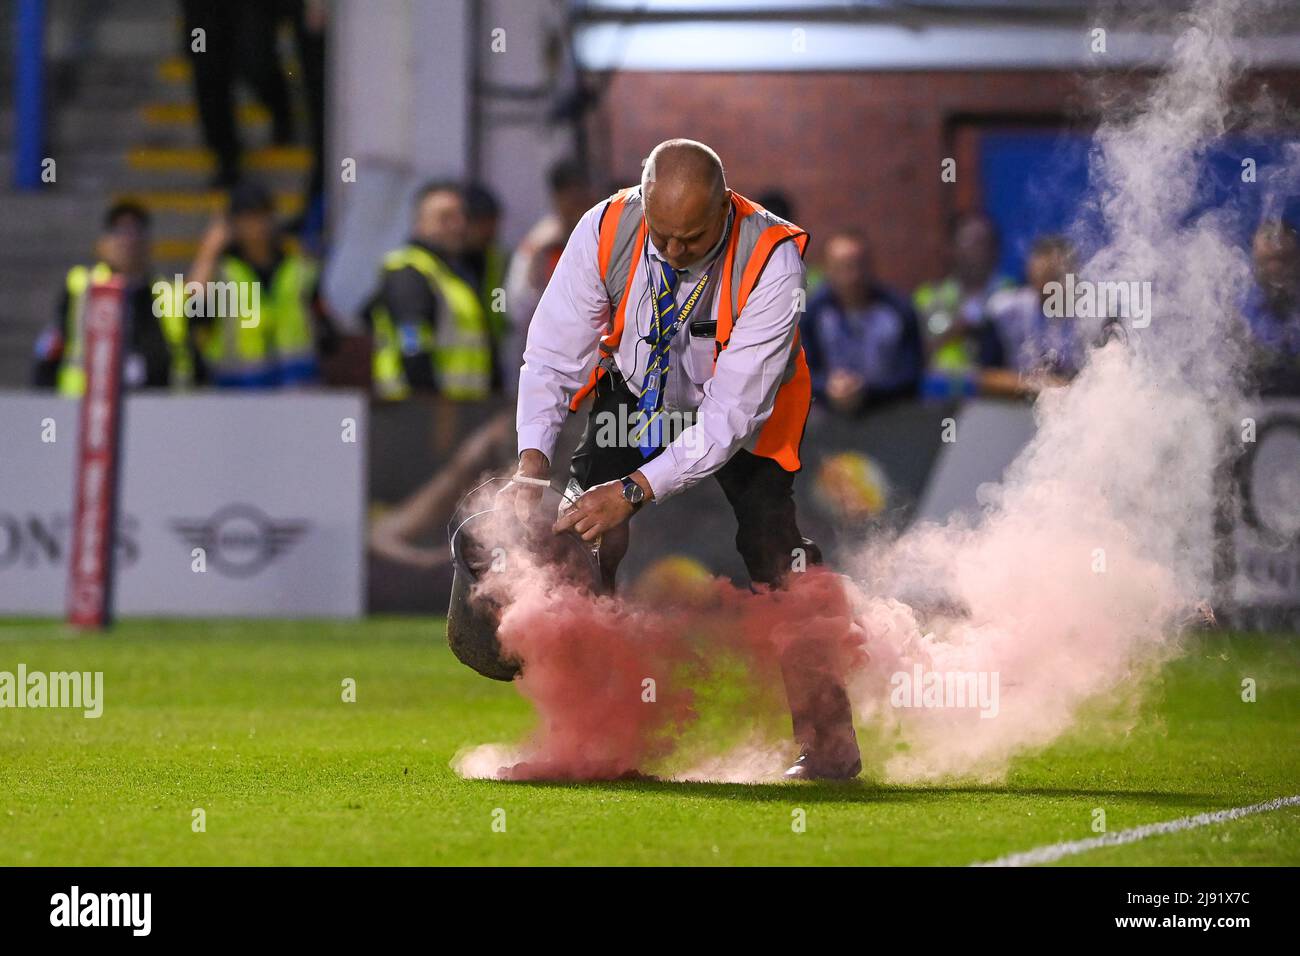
point(240, 42)
point(760, 492)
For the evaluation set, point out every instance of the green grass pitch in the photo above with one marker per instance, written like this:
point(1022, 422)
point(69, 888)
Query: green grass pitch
point(245, 720)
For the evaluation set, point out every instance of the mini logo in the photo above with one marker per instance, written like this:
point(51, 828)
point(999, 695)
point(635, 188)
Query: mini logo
point(239, 539)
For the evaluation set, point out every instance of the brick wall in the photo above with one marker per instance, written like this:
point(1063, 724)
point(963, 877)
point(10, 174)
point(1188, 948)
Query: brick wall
point(861, 149)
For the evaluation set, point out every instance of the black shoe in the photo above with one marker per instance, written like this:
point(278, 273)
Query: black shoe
point(811, 766)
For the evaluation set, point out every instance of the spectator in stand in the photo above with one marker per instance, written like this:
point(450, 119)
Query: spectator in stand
point(1271, 312)
point(958, 340)
point(158, 350)
point(572, 194)
point(862, 339)
point(1039, 347)
point(429, 330)
point(280, 345)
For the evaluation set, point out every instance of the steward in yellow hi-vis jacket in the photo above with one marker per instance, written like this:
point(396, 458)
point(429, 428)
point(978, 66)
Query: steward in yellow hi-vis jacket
point(158, 349)
point(268, 326)
point(429, 327)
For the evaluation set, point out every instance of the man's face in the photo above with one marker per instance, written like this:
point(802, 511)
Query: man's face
point(1276, 260)
point(440, 221)
point(974, 250)
point(125, 246)
point(846, 266)
point(1045, 267)
point(685, 223)
point(252, 228)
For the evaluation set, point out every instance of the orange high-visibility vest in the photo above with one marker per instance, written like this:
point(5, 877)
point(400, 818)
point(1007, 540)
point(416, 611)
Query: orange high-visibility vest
point(755, 234)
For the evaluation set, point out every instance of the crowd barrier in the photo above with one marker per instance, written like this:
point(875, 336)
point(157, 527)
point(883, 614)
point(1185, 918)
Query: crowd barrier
point(276, 492)
point(231, 505)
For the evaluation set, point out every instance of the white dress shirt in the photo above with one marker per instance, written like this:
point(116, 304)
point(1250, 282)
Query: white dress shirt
point(731, 404)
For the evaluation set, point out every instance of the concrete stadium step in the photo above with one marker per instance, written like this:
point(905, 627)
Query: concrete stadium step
point(109, 84)
point(164, 160)
point(178, 71)
point(111, 28)
point(58, 229)
point(174, 71)
point(78, 126)
point(207, 202)
point(50, 215)
point(135, 182)
point(185, 113)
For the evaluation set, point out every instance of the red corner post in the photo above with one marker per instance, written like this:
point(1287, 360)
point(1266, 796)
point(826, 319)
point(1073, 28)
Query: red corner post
point(90, 573)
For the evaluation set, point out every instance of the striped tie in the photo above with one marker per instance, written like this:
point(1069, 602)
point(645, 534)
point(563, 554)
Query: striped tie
point(648, 426)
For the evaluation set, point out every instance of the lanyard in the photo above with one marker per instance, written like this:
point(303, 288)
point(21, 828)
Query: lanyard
point(683, 313)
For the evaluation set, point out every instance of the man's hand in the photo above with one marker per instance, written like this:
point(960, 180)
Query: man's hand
point(602, 508)
point(207, 259)
point(598, 510)
point(524, 497)
point(844, 391)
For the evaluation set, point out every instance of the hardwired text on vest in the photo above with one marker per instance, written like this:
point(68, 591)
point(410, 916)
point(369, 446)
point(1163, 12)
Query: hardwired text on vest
point(102, 909)
point(82, 690)
point(213, 300)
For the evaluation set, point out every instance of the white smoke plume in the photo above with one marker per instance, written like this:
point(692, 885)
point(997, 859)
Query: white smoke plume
point(1098, 544)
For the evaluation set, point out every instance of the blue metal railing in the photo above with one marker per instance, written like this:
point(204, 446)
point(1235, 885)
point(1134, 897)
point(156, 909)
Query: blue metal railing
point(29, 93)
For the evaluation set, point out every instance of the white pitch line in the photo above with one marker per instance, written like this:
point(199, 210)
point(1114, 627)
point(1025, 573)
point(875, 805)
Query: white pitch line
point(1055, 851)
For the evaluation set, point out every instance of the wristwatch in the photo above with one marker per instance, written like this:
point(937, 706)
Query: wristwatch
point(633, 494)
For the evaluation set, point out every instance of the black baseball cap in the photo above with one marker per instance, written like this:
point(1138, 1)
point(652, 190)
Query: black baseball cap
point(250, 197)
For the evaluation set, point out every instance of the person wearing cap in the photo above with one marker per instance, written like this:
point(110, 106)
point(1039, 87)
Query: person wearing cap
point(429, 327)
point(158, 349)
point(277, 344)
point(675, 307)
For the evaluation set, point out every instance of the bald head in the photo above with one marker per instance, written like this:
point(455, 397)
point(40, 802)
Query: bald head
point(686, 201)
point(678, 163)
